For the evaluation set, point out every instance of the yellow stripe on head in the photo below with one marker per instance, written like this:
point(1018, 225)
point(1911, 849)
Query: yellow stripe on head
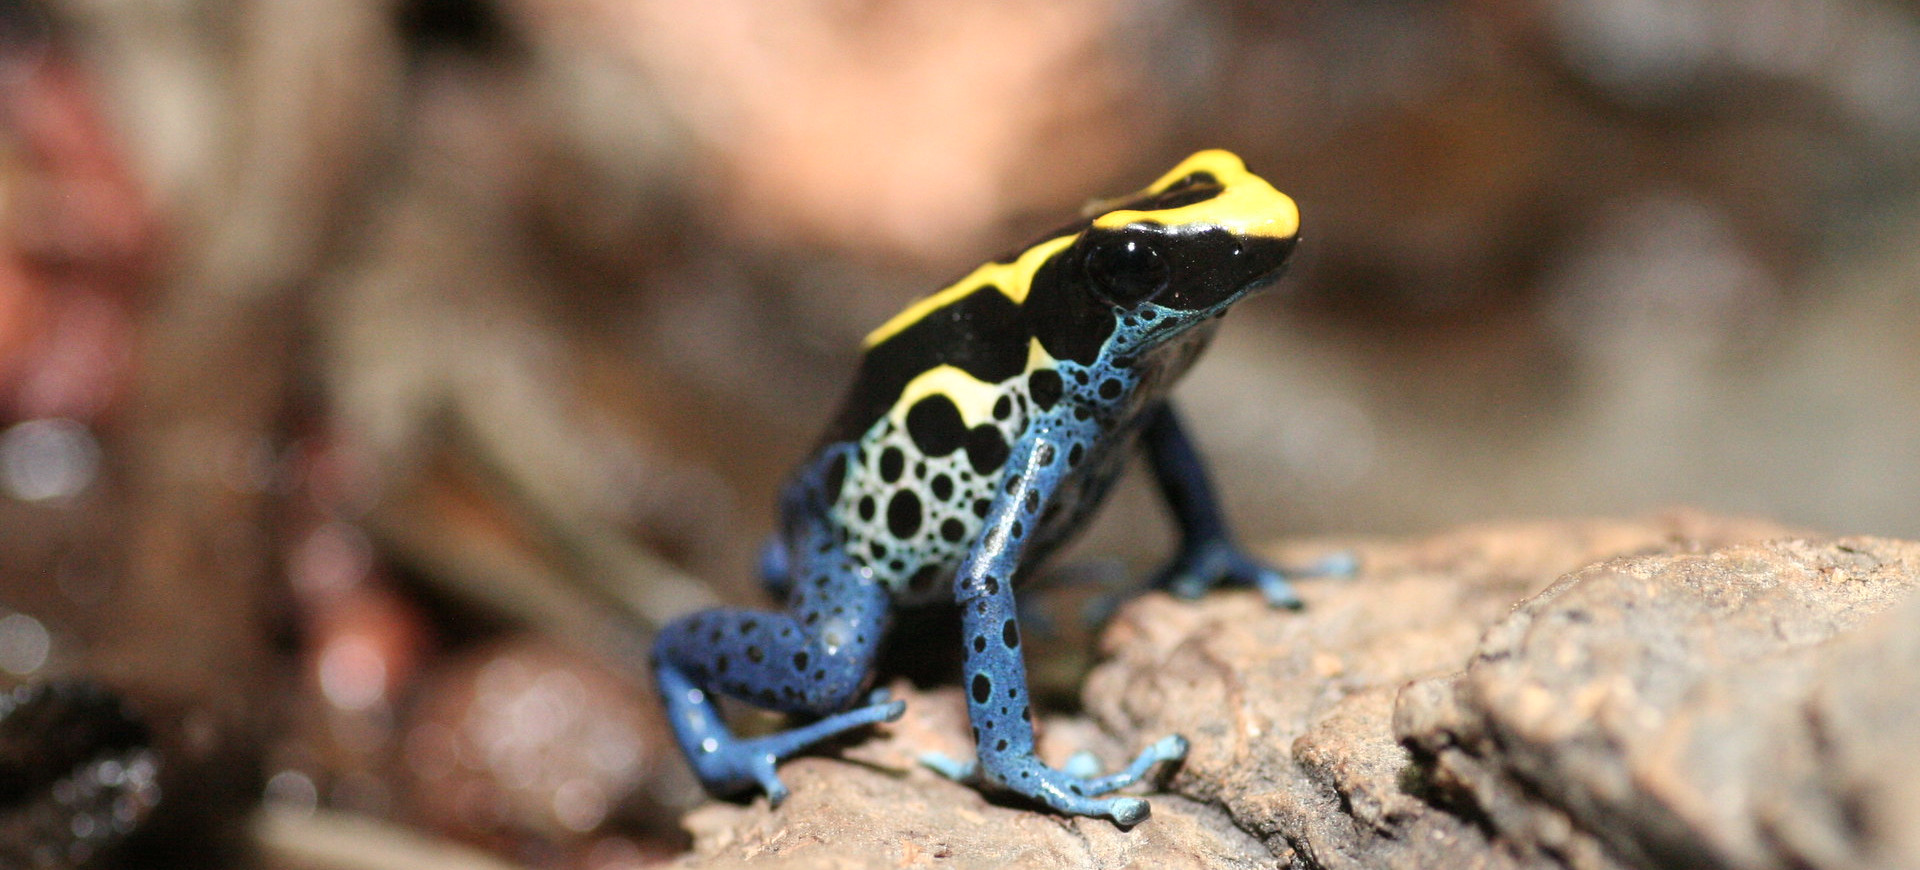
point(1247, 205)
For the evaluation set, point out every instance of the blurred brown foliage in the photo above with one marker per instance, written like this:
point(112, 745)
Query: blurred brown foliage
point(396, 327)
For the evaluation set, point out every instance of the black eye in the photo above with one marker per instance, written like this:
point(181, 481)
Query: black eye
point(1127, 272)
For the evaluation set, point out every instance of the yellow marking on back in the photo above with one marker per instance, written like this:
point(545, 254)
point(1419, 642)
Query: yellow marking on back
point(1038, 358)
point(1247, 204)
point(1013, 279)
point(974, 397)
point(971, 395)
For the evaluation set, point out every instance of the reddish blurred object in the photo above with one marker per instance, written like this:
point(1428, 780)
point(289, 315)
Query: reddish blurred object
point(77, 238)
point(533, 750)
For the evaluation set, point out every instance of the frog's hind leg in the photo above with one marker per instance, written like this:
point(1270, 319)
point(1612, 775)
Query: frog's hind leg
point(813, 660)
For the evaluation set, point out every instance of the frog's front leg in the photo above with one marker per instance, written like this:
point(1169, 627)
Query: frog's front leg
point(995, 672)
point(1208, 554)
point(813, 660)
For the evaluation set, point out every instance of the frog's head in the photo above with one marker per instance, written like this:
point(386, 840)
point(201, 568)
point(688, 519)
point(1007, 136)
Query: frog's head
point(1150, 267)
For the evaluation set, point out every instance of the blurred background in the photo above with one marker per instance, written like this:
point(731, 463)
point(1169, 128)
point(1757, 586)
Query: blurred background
point(374, 374)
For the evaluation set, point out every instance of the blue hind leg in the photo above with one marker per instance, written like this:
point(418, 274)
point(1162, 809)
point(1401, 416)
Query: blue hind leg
point(1208, 555)
point(813, 660)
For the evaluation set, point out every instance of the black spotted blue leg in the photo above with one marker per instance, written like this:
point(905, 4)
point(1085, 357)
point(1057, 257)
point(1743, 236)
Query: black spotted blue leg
point(813, 660)
point(1208, 554)
point(995, 670)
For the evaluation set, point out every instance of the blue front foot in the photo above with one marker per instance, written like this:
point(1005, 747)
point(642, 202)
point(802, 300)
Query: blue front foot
point(1076, 789)
point(1202, 567)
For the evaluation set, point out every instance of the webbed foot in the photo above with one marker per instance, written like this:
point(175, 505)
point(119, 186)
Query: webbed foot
point(1074, 790)
point(729, 765)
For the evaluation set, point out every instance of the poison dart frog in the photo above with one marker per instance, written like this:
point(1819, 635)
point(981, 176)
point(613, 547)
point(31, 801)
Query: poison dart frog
point(984, 426)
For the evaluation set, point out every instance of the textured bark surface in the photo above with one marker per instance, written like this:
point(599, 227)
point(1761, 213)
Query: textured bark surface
point(1680, 690)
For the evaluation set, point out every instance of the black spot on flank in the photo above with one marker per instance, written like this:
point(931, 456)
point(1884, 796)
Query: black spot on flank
point(1110, 389)
point(819, 674)
point(800, 660)
point(1032, 503)
point(1010, 634)
point(1043, 454)
point(981, 506)
point(986, 450)
point(1013, 692)
point(812, 618)
point(1074, 454)
point(941, 486)
point(1000, 745)
point(715, 637)
point(1082, 414)
point(992, 584)
point(721, 664)
point(892, 462)
point(936, 426)
point(1080, 377)
point(952, 530)
point(786, 631)
point(749, 625)
point(1149, 315)
point(866, 508)
point(1046, 387)
point(1019, 530)
point(979, 643)
point(982, 688)
point(896, 566)
point(756, 655)
point(903, 514)
point(877, 549)
point(1003, 408)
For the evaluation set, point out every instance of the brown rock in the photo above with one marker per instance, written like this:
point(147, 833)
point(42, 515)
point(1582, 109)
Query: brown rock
point(1727, 709)
point(1301, 722)
point(1289, 713)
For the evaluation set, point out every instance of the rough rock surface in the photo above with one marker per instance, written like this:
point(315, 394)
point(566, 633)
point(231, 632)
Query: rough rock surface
point(1680, 694)
point(1747, 707)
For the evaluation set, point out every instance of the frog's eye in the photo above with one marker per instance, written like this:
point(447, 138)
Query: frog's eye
point(1127, 272)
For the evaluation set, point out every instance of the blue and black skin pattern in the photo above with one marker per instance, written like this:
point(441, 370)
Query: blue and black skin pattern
point(984, 427)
